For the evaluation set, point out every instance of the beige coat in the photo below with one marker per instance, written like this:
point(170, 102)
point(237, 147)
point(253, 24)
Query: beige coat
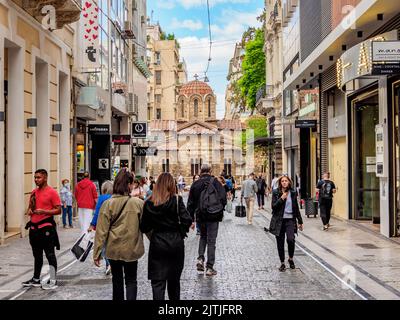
point(123, 239)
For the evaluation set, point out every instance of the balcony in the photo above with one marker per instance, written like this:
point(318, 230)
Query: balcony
point(265, 99)
point(67, 11)
point(119, 104)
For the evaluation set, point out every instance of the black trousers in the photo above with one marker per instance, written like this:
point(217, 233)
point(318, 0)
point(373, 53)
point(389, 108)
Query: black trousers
point(325, 207)
point(261, 199)
point(118, 270)
point(173, 286)
point(288, 230)
point(43, 240)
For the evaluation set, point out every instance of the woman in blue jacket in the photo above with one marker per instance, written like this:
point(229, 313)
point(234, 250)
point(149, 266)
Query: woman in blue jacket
point(106, 192)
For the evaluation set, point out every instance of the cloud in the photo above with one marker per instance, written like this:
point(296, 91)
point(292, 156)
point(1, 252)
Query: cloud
point(186, 24)
point(166, 4)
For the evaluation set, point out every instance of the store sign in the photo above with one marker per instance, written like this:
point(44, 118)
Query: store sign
point(145, 151)
point(305, 124)
point(104, 164)
point(386, 51)
point(121, 139)
point(358, 61)
point(385, 69)
point(90, 35)
point(139, 130)
point(99, 129)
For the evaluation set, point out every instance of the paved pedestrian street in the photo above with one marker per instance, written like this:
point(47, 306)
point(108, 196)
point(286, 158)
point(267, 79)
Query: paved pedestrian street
point(246, 261)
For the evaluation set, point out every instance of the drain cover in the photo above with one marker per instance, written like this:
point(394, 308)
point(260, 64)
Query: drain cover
point(367, 245)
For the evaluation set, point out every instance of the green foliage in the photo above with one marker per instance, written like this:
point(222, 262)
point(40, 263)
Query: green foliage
point(171, 36)
point(259, 125)
point(253, 67)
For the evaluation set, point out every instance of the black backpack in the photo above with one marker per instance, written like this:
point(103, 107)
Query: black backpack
point(210, 200)
point(326, 190)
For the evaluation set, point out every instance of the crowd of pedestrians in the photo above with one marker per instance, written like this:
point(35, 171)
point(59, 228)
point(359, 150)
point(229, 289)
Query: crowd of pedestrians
point(128, 208)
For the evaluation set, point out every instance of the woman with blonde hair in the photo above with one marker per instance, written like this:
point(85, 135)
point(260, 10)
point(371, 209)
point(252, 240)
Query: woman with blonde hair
point(285, 212)
point(118, 229)
point(166, 217)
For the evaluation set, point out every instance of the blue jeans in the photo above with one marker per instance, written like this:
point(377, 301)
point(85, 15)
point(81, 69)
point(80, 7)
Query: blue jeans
point(66, 210)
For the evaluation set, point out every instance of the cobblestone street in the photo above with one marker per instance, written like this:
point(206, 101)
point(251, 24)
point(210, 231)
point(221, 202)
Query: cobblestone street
point(246, 261)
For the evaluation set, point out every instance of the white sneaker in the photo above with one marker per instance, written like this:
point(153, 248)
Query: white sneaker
point(50, 285)
point(108, 270)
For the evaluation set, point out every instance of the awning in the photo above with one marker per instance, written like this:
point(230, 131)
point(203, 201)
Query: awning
point(265, 141)
point(142, 66)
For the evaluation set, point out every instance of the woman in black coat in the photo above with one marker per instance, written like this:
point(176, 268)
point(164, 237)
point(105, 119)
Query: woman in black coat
point(285, 212)
point(166, 218)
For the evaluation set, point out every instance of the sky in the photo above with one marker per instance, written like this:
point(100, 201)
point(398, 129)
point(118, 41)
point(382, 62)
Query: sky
point(188, 20)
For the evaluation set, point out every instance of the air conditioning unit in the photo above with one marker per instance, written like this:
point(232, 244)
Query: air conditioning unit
point(136, 104)
point(131, 104)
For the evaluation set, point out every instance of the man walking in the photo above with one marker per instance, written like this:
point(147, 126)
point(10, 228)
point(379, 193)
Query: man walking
point(261, 186)
point(326, 189)
point(249, 194)
point(44, 204)
point(274, 183)
point(207, 200)
point(86, 197)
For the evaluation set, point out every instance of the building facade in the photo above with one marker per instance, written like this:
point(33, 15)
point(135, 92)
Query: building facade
point(269, 98)
point(35, 109)
point(354, 97)
point(233, 108)
point(111, 95)
point(168, 74)
point(196, 137)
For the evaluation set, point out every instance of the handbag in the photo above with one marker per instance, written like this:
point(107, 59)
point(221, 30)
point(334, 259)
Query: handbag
point(82, 246)
point(181, 227)
point(229, 206)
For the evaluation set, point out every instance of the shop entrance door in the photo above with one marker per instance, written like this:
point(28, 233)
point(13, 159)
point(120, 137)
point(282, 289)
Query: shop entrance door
point(366, 197)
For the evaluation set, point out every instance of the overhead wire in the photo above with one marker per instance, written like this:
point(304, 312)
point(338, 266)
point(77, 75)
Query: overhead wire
point(209, 33)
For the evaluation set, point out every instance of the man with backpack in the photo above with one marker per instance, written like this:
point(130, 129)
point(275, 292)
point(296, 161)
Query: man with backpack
point(326, 188)
point(206, 203)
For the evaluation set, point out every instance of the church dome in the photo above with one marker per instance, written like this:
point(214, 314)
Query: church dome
point(195, 87)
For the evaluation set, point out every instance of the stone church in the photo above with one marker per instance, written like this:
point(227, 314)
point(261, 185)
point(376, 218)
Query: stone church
point(196, 137)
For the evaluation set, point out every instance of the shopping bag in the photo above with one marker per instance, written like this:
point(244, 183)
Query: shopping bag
point(229, 206)
point(82, 246)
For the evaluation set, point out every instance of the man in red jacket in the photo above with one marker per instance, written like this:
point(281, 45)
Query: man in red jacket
point(86, 197)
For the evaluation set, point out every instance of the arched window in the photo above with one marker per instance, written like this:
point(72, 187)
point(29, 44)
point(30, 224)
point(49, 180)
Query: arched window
point(209, 108)
point(182, 109)
point(196, 107)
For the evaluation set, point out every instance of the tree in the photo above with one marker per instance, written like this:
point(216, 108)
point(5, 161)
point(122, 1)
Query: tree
point(253, 66)
point(259, 125)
